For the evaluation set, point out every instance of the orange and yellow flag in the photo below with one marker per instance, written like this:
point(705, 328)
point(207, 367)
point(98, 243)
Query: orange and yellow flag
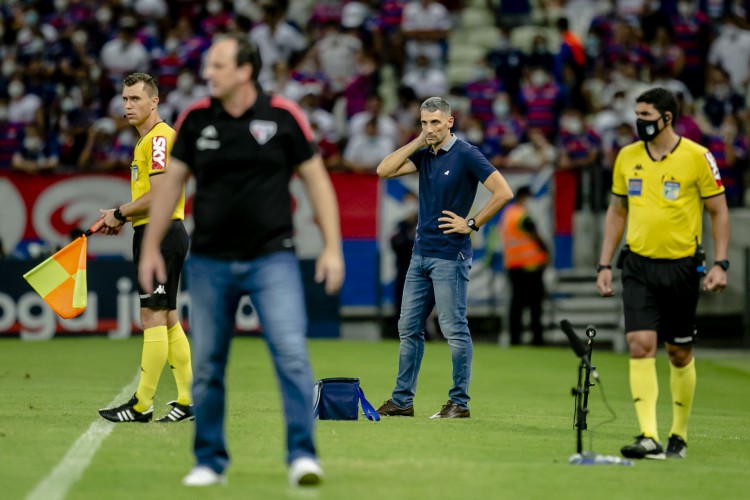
point(61, 279)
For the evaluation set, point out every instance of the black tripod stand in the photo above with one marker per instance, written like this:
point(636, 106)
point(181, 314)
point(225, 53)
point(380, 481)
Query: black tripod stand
point(581, 392)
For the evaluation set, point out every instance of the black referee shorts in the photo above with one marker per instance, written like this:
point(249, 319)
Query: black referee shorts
point(174, 249)
point(661, 295)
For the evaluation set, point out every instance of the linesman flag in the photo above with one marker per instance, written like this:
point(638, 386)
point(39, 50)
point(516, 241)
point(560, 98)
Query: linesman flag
point(61, 279)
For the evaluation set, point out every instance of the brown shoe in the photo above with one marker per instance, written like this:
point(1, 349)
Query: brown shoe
point(452, 410)
point(389, 409)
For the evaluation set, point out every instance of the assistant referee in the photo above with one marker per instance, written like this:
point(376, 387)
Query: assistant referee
point(660, 186)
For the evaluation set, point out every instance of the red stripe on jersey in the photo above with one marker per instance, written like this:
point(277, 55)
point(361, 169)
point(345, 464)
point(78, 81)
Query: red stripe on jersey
point(199, 104)
point(282, 102)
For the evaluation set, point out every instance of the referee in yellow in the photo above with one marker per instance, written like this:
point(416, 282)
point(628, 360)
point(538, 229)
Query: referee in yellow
point(660, 186)
point(163, 337)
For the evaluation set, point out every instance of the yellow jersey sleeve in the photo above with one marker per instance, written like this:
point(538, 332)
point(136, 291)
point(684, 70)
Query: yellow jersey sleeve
point(151, 157)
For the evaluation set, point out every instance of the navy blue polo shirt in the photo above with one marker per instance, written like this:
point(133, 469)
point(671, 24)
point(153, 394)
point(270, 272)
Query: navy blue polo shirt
point(448, 180)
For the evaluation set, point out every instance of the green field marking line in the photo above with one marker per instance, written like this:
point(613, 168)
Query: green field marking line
point(75, 462)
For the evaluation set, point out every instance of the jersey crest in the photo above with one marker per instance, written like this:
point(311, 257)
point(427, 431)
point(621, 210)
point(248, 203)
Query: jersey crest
point(263, 130)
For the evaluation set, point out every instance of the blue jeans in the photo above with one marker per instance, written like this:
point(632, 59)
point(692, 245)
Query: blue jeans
point(275, 288)
point(429, 282)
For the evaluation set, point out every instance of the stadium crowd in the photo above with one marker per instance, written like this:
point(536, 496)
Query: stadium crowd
point(560, 98)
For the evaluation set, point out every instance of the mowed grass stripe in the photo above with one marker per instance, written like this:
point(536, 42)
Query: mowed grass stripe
point(516, 445)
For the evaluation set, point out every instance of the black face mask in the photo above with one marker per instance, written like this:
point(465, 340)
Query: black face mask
point(648, 129)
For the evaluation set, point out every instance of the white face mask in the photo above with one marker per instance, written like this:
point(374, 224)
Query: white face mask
point(33, 144)
point(500, 108)
point(104, 16)
point(185, 83)
point(685, 9)
point(9, 67)
point(79, 37)
point(619, 105)
point(572, 125)
point(61, 5)
point(171, 44)
point(95, 73)
point(213, 8)
point(67, 105)
point(3, 113)
point(538, 78)
point(15, 89)
point(474, 136)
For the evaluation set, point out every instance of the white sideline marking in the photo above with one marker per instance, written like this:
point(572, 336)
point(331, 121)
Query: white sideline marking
point(70, 469)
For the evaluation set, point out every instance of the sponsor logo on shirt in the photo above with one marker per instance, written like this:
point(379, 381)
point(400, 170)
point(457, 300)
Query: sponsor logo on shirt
point(158, 152)
point(714, 168)
point(208, 139)
point(263, 130)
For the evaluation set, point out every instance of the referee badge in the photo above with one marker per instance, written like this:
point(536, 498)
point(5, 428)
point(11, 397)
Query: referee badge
point(671, 190)
point(635, 187)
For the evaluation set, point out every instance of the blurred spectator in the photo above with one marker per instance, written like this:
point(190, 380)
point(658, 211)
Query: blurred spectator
point(536, 154)
point(572, 52)
point(406, 112)
point(216, 18)
point(192, 45)
point(124, 54)
point(425, 26)
point(481, 91)
point(101, 153)
point(365, 151)
point(721, 99)
point(11, 136)
point(692, 30)
point(37, 153)
point(323, 119)
point(510, 13)
point(669, 58)
point(284, 84)
point(364, 83)
point(169, 63)
point(729, 148)
point(337, 52)
point(686, 125)
point(541, 100)
point(579, 149)
point(507, 61)
point(503, 132)
point(24, 107)
point(425, 80)
point(186, 93)
point(540, 55)
point(402, 243)
point(329, 150)
point(731, 51)
point(387, 126)
point(275, 38)
point(622, 135)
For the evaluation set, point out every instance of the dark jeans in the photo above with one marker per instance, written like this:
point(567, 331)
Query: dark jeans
point(527, 291)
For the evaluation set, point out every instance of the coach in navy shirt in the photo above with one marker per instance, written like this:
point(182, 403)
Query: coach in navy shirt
point(449, 172)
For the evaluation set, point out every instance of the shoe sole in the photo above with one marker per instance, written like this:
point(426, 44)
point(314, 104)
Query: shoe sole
point(309, 479)
point(633, 456)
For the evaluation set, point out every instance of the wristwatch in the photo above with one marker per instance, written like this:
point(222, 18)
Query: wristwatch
point(472, 224)
point(601, 267)
point(724, 264)
point(118, 215)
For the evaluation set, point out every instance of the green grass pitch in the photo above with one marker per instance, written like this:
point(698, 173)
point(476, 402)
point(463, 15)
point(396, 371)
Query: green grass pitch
point(515, 446)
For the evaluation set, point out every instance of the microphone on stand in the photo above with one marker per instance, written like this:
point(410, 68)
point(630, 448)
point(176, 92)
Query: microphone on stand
point(577, 344)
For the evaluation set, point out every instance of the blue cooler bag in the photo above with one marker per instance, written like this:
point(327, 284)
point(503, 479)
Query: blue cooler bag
point(338, 399)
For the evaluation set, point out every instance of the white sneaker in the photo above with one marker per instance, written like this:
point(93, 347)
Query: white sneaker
point(201, 475)
point(305, 471)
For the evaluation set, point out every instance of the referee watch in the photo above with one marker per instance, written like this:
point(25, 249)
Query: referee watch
point(602, 267)
point(724, 264)
point(472, 224)
point(118, 215)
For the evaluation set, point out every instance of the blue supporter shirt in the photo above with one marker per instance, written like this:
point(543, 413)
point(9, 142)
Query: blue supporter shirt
point(447, 181)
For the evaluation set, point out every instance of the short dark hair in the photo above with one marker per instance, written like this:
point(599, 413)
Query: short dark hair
point(662, 99)
point(149, 84)
point(432, 104)
point(522, 192)
point(247, 52)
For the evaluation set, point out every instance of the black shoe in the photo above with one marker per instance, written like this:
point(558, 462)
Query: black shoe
point(452, 410)
point(644, 447)
point(178, 413)
point(126, 413)
point(389, 409)
point(676, 447)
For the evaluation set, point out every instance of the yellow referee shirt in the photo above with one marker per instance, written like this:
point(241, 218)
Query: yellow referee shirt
point(665, 198)
point(150, 157)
